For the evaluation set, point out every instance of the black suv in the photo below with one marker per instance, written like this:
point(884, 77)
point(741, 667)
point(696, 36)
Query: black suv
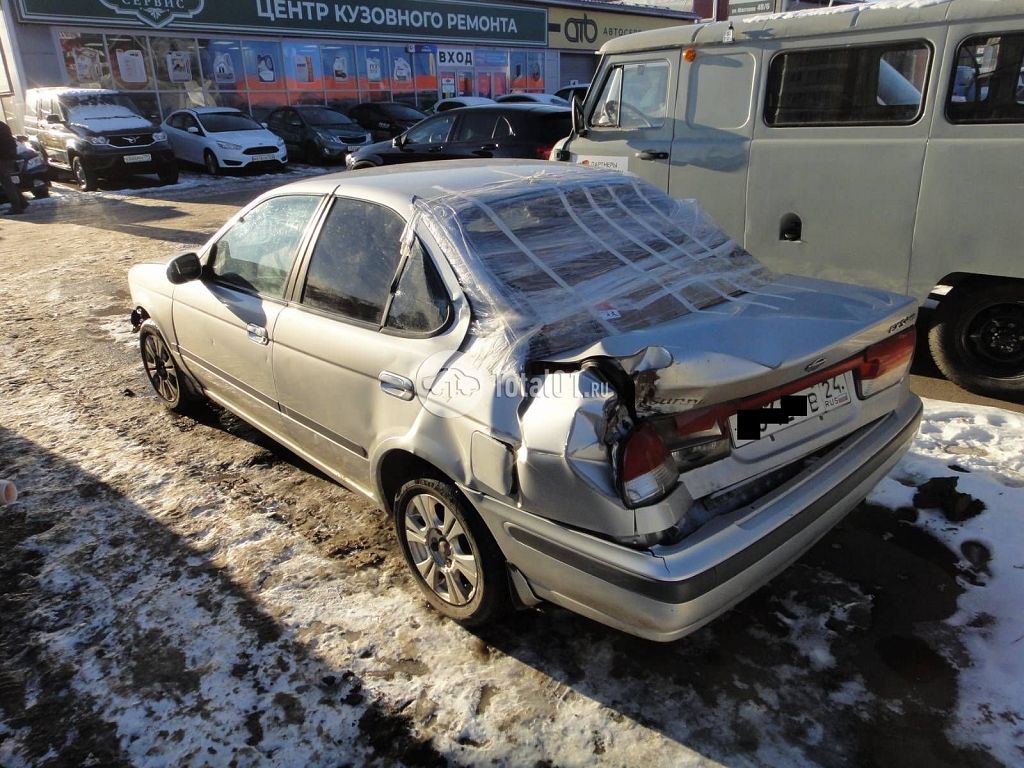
point(96, 133)
point(499, 130)
point(385, 119)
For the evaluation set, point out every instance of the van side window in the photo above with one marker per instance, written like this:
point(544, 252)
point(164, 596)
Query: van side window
point(987, 85)
point(856, 85)
point(634, 96)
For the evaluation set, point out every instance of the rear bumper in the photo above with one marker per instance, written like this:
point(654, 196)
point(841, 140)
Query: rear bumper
point(667, 592)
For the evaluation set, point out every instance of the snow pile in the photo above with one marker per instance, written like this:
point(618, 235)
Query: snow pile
point(984, 449)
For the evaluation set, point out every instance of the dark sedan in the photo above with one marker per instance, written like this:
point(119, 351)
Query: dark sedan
point(385, 119)
point(33, 172)
point(315, 134)
point(501, 130)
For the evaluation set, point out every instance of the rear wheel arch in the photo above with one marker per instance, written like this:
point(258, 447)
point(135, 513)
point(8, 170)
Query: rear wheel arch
point(397, 467)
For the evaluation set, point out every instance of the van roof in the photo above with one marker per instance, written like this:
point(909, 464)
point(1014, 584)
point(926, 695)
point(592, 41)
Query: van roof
point(65, 91)
point(880, 15)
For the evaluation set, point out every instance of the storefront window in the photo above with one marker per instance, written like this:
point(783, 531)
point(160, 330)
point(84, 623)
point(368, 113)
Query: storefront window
point(535, 72)
point(402, 81)
point(518, 69)
point(263, 70)
point(303, 68)
point(85, 59)
point(374, 73)
point(130, 62)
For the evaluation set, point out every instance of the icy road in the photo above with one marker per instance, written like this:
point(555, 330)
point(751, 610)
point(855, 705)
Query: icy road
point(183, 593)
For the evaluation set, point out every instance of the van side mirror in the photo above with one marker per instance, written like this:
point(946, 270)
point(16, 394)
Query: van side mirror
point(578, 127)
point(183, 268)
point(53, 119)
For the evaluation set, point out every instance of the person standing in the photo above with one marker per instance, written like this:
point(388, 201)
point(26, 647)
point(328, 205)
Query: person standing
point(9, 167)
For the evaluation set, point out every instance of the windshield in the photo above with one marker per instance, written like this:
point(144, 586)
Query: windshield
point(98, 106)
point(401, 112)
point(321, 117)
point(221, 122)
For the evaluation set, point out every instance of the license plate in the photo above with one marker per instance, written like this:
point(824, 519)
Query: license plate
point(823, 397)
point(263, 158)
point(16, 179)
point(145, 158)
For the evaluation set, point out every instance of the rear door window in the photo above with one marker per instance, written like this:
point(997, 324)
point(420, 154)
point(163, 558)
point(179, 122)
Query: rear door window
point(354, 261)
point(849, 85)
point(987, 83)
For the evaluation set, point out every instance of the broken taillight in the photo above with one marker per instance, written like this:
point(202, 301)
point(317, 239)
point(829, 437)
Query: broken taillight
point(885, 363)
point(648, 473)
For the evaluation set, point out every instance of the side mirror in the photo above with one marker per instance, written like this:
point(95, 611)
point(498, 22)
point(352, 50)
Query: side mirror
point(193, 129)
point(398, 141)
point(183, 268)
point(578, 127)
point(53, 119)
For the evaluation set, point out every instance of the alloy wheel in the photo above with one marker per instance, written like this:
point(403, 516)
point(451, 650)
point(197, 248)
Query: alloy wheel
point(442, 552)
point(160, 368)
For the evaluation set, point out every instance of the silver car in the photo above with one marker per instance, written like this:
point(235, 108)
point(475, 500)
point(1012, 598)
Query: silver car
point(563, 385)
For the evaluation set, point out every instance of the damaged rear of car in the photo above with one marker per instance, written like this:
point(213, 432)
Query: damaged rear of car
point(688, 423)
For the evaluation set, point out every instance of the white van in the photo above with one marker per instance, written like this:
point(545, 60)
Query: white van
point(878, 143)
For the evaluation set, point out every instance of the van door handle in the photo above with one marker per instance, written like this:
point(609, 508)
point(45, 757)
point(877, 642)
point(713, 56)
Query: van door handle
point(396, 386)
point(257, 334)
point(652, 154)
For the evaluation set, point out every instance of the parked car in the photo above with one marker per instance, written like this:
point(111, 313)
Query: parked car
point(532, 98)
point(455, 102)
point(220, 138)
point(579, 91)
point(32, 172)
point(96, 133)
point(385, 119)
point(500, 130)
point(562, 384)
point(316, 134)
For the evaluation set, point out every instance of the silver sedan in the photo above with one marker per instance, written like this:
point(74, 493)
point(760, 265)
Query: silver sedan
point(562, 384)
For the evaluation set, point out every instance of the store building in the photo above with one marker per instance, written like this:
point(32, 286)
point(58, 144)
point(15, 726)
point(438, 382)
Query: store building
point(259, 54)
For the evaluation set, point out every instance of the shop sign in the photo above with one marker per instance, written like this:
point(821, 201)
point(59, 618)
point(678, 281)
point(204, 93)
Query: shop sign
point(588, 30)
point(455, 57)
point(744, 7)
point(411, 19)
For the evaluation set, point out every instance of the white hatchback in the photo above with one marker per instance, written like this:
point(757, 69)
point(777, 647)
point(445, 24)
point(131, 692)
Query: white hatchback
point(220, 138)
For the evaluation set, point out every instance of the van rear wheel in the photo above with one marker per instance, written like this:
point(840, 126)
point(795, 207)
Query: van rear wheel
point(977, 340)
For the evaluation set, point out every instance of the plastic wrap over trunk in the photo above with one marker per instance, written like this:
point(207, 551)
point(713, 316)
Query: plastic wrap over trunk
point(558, 260)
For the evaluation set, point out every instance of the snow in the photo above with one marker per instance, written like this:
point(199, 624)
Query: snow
point(108, 117)
point(989, 442)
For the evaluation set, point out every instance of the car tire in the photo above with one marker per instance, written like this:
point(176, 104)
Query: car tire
point(87, 179)
point(169, 175)
point(38, 194)
point(211, 163)
point(452, 556)
point(174, 389)
point(977, 339)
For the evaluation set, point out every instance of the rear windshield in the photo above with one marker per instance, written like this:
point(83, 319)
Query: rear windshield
point(558, 260)
point(324, 117)
point(547, 129)
point(401, 112)
point(222, 122)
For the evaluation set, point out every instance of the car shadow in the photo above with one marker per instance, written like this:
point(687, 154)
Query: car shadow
point(881, 692)
point(64, 652)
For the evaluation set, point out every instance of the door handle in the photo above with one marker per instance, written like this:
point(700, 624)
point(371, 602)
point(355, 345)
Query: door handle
point(257, 334)
point(435, 149)
point(652, 154)
point(396, 386)
point(488, 147)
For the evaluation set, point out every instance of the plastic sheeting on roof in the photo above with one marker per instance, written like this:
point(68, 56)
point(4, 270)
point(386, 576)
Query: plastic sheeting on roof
point(558, 260)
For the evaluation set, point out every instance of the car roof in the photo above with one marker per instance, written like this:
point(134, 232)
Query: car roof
point(397, 186)
point(515, 106)
point(212, 110)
